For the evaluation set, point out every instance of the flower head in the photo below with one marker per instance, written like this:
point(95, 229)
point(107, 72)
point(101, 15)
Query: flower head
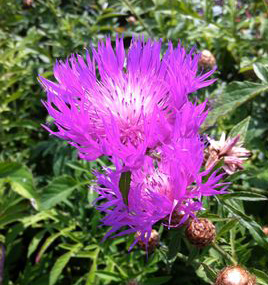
point(127, 105)
point(174, 184)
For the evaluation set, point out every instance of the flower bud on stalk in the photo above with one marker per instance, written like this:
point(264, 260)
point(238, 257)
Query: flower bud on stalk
point(235, 275)
point(152, 242)
point(200, 232)
point(207, 59)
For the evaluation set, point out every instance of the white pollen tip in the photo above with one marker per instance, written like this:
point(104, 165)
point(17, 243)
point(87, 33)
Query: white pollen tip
point(234, 277)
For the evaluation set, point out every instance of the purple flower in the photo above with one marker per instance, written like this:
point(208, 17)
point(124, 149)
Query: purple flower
point(174, 185)
point(128, 105)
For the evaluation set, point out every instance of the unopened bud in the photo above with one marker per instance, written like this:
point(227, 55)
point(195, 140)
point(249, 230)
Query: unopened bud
point(207, 59)
point(235, 275)
point(152, 242)
point(200, 232)
point(265, 230)
point(131, 19)
point(27, 3)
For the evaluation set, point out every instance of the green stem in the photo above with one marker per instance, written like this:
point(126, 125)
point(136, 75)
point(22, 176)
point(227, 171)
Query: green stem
point(138, 17)
point(223, 253)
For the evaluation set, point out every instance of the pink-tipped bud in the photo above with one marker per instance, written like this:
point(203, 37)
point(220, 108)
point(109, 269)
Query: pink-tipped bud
point(235, 275)
point(230, 150)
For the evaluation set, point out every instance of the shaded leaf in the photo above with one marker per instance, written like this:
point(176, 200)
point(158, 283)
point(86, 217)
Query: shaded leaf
point(211, 274)
point(157, 280)
point(124, 185)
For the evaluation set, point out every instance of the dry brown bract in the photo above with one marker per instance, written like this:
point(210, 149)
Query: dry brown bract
point(200, 232)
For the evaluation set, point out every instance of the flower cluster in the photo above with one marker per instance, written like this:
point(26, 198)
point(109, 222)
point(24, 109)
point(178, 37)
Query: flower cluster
point(134, 108)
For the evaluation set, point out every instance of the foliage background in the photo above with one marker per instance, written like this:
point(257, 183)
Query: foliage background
point(49, 231)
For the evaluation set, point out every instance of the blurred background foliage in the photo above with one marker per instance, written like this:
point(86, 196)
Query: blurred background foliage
point(49, 230)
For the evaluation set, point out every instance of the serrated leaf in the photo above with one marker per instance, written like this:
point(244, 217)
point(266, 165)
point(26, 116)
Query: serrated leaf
point(57, 191)
point(124, 185)
point(234, 95)
point(261, 71)
point(240, 129)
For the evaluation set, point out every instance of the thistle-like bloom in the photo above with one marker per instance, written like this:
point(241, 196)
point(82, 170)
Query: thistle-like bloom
point(128, 105)
point(230, 150)
point(174, 185)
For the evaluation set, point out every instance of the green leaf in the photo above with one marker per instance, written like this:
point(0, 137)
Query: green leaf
point(261, 71)
point(254, 228)
point(51, 239)
point(227, 227)
point(174, 245)
point(60, 264)
point(93, 269)
point(240, 129)
point(262, 277)
point(245, 196)
point(20, 179)
point(124, 185)
point(35, 242)
point(211, 274)
point(57, 191)
point(109, 275)
point(234, 95)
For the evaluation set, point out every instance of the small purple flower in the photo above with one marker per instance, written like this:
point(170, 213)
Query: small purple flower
point(128, 105)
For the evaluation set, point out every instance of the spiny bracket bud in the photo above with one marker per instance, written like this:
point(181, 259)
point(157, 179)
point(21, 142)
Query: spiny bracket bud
point(235, 275)
point(200, 232)
point(152, 242)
